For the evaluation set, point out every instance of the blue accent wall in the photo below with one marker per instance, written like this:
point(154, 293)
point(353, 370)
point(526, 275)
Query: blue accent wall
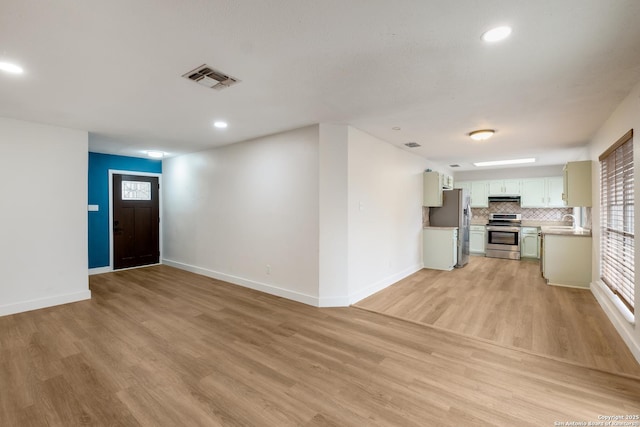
point(99, 165)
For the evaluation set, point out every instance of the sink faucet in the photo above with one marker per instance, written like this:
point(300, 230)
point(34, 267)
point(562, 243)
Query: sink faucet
point(573, 217)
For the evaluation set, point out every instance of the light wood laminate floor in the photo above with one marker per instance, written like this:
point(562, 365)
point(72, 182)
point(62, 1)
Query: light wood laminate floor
point(163, 347)
point(509, 303)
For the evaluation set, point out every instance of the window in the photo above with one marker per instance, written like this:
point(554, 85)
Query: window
point(616, 214)
point(136, 190)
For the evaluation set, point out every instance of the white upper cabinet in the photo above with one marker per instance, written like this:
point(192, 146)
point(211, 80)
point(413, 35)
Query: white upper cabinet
point(577, 184)
point(554, 192)
point(510, 187)
point(533, 193)
point(478, 190)
point(463, 184)
point(432, 187)
point(541, 192)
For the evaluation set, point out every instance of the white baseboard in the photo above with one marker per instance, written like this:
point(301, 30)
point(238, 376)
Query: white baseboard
point(333, 301)
point(381, 284)
point(564, 285)
point(623, 325)
point(39, 303)
point(337, 301)
point(100, 270)
point(251, 284)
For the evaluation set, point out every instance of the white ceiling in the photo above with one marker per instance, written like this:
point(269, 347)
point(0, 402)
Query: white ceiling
point(114, 68)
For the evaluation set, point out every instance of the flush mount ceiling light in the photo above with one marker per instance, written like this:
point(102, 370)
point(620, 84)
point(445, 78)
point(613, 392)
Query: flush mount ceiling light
point(220, 124)
point(396, 128)
point(482, 134)
point(155, 154)
point(496, 34)
point(11, 68)
point(505, 162)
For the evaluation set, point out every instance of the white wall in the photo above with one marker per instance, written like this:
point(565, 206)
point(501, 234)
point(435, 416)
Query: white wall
point(334, 212)
point(334, 226)
point(43, 249)
point(232, 211)
point(385, 213)
point(625, 117)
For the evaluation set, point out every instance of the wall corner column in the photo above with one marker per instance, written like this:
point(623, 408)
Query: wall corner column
point(333, 216)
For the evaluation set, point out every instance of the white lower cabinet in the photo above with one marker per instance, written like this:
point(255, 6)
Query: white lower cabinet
point(567, 260)
point(477, 239)
point(440, 247)
point(530, 245)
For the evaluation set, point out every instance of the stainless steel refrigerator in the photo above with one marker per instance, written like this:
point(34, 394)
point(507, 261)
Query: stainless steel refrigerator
point(455, 212)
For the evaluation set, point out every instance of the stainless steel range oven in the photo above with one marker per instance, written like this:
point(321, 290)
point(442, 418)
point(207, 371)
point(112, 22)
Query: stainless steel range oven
point(503, 236)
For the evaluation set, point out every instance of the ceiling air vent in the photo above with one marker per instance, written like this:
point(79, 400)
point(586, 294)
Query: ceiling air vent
point(209, 77)
point(412, 144)
point(454, 166)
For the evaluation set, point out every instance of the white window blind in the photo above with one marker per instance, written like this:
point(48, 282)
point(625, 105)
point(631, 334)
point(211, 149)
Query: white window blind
point(616, 213)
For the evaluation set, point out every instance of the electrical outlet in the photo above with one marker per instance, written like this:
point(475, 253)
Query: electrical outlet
point(268, 269)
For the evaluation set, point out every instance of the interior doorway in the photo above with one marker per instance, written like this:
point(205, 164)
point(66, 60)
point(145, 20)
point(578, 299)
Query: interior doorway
point(135, 220)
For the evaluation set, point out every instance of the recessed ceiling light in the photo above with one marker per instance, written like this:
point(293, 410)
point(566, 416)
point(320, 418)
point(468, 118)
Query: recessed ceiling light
point(11, 68)
point(482, 134)
point(505, 162)
point(155, 154)
point(220, 124)
point(496, 34)
point(396, 128)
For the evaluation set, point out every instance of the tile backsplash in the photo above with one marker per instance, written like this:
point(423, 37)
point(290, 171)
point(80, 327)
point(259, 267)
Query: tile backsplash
point(528, 214)
point(531, 214)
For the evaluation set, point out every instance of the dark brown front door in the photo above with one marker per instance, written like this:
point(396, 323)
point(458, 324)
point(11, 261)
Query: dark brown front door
point(136, 221)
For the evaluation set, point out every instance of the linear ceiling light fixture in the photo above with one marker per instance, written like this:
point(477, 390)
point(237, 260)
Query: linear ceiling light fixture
point(496, 34)
point(482, 134)
point(220, 124)
point(505, 162)
point(11, 68)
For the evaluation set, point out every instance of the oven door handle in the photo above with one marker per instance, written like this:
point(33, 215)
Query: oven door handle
point(501, 228)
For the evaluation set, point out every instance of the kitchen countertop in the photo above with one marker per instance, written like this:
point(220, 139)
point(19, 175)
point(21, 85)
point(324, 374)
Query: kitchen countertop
point(560, 228)
point(479, 221)
point(439, 228)
point(534, 223)
point(566, 231)
point(525, 222)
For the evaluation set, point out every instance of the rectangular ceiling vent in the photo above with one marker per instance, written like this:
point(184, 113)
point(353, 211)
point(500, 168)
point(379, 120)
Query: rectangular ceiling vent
point(209, 77)
point(454, 166)
point(413, 144)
